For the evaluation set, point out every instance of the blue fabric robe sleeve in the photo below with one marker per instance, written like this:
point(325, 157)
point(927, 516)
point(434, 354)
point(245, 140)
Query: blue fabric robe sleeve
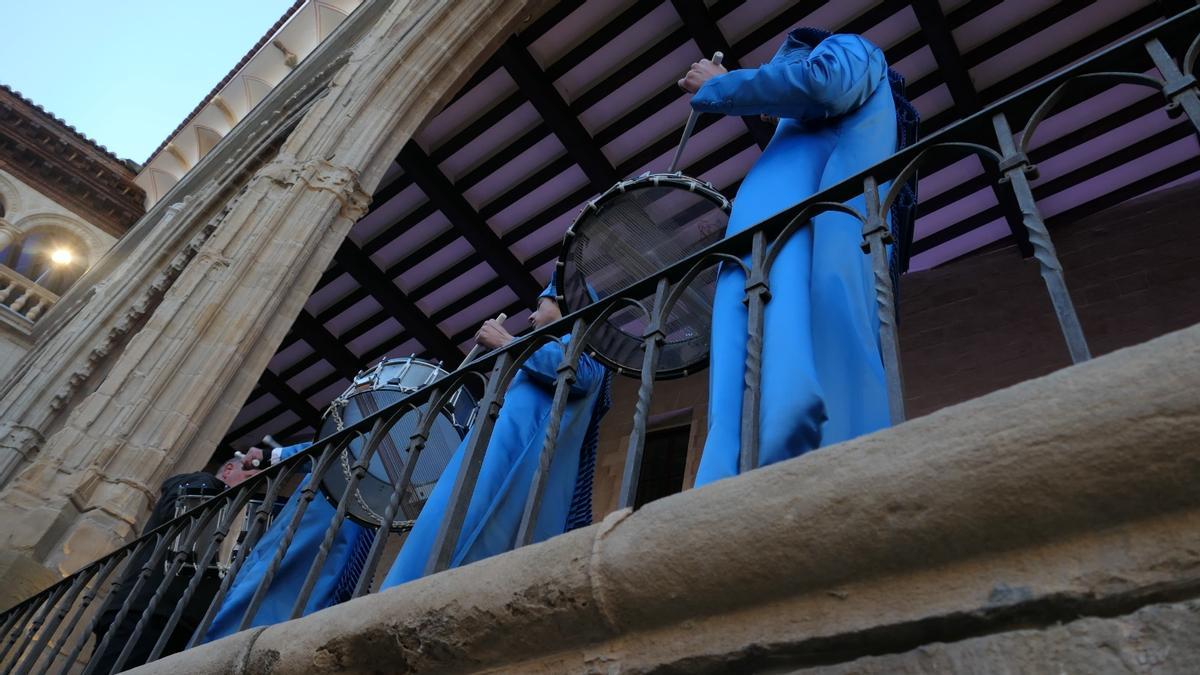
point(280, 454)
point(290, 450)
point(835, 77)
point(542, 366)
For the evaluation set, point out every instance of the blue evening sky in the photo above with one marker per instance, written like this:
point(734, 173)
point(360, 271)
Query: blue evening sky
point(126, 72)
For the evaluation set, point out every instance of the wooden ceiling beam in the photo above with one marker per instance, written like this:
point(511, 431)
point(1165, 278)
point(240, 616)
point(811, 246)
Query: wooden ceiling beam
point(966, 103)
point(540, 91)
point(364, 270)
point(467, 221)
point(312, 331)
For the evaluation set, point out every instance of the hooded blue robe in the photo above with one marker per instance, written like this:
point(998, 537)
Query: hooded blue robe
point(338, 576)
point(822, 374)
point(509, 463)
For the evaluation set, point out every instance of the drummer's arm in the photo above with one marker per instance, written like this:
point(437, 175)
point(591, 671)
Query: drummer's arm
point(835, 77)
point(280, 454)
point(543, 365)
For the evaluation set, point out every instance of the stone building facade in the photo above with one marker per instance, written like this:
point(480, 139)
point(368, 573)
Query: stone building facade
point(59, 191)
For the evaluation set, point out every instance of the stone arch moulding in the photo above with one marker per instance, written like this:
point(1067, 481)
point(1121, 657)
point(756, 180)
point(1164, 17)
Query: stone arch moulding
point(10, 196)
point(53, 223)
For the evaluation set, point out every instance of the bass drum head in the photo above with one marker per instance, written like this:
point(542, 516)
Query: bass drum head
point(630, 233)
point(369, 500)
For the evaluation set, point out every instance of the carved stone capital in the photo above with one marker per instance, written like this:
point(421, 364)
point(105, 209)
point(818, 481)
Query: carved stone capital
point(322, 176)
point(8, 233)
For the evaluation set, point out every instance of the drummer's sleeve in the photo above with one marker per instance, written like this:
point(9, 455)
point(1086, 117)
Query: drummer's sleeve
point(833, 78)
point(280, 454)
point(543, 364)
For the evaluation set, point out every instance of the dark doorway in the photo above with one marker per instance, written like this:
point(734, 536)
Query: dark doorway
point(663, 464)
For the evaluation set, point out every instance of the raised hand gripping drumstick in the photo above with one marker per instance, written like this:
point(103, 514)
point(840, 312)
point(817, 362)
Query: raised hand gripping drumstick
point(269, 440)
point(475, 351)
point(691, 124)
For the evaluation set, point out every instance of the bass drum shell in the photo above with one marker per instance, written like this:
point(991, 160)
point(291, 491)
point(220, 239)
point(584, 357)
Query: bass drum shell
point(374, 390)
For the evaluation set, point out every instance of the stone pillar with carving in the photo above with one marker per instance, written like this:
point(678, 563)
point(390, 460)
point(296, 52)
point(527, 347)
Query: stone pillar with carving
point(171, 385)
point(8, 233)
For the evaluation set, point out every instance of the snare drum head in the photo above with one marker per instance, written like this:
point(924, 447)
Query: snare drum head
point(387, 466)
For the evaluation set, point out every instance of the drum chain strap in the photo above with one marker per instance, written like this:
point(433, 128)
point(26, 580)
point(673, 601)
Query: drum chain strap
point(335, 410)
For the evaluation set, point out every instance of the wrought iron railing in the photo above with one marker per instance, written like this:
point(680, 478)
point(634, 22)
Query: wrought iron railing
point(52, 629)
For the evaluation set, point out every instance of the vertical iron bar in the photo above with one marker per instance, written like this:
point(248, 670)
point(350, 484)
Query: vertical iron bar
point(274, 485)
point(378, 431)
point(1014, 166)
point(472, 461)
point(307, 493)
point(234, 506)
point(11, 620)
point(653, 340)
point(65, 604)
point(415, 446)
point(757, 295)
point(876, 237)
point(562, 389)
point(1179, 89)
point(114, 560)
point(25, 615)
point(160, 547)
point(191, 534)
point(39, 619)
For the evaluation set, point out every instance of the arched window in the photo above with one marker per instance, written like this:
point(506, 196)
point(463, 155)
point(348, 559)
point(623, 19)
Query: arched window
point(52, 259)
point(2, 207)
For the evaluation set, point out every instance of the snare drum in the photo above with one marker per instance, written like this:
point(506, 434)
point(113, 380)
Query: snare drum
point(189, 499)
point(372, 390)
point(241, 527)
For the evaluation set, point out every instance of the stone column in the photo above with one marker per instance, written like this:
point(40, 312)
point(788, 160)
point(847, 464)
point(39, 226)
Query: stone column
point(176, 386)
point(8, 234)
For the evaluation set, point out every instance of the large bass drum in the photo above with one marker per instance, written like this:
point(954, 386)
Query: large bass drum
point(631, 232)
point(372, 390)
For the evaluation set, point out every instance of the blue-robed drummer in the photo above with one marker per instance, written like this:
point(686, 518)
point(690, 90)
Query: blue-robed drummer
point(496, 506)
point(338, 574)
point(512, 456)
point(840, 110)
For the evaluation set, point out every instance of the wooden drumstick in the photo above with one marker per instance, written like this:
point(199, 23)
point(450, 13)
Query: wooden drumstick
point(475, 351)
point(241, 457)
point(269, 440)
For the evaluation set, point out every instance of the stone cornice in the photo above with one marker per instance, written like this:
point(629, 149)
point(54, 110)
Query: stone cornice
point(56, 160)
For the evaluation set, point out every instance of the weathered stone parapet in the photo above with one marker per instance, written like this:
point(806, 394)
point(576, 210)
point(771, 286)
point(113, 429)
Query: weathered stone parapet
point(1159, 639)
point(1069, 496)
